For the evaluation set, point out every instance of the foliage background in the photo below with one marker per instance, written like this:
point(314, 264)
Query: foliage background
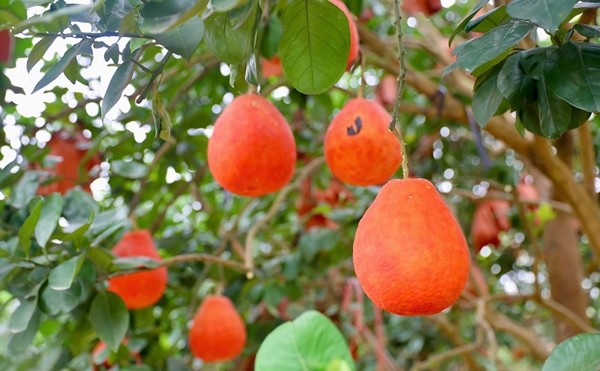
point(151, 179)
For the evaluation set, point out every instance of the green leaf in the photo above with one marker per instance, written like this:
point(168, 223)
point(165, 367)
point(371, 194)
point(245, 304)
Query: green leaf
point(51, 211)
point(21, 340)
point(579, 353)
point(310, 342)
point(38, 51)
point(78, 206)
point(128, 169)
point(591, 32)
point(55, 302)
point(101, 258)
point(72, 71)
point(23, 314)
point(572, 73)
point(184, 39)
point(109, 318)
point(489, 20)
point(272, 37)
point(478, 52)
point(28, 227)
point(116, 86)
point(229, 35)
point(60, 66)
point(515, 85)
point(461, 26)
point(121, 264)
point(555, 113)
point(226, 5)
point(533, 61)
point(314, 46)
point(63, 275)
point(25, 189)
point(487, 97)
point(548, 14)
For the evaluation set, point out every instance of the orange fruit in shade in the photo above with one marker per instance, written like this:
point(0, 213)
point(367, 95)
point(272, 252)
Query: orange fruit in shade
point(410, 255)
point(6, 46)
point(427, 7)
point(491, 218)
point(141, 289)
point(69, 150)
point(359, 148)
point(218, 333)
point(252, 151)
point(271, 67)
point(354, 41)
point(108, 362)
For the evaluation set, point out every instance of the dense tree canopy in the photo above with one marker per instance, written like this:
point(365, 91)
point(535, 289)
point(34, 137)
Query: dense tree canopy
point(128, 242)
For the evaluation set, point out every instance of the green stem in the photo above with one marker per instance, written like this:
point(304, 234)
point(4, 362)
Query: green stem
point(401, 87)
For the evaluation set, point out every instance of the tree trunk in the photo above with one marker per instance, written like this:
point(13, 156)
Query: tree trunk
point(562, 256)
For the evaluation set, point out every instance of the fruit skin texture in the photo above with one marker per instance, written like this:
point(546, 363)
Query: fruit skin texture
point(354, 41)
point(218, 332)
point(71, 149)
point(410, 255)
point(363, 156)
point(252, 151)
point(141, 289)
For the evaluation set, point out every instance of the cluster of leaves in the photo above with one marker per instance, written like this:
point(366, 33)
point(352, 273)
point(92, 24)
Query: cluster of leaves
point(551, 88)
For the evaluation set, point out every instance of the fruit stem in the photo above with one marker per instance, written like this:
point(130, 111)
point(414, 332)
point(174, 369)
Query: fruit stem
point(401, 86)
point(363, 83)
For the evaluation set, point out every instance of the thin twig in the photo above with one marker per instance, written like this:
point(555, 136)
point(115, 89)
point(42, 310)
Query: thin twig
point(164, 148)
point(499, 195)
point(249, 244)
point(204, 258)
point(401, 87)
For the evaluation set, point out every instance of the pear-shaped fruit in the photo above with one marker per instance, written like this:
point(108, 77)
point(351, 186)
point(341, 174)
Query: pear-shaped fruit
point(252, 151)
point(218, 333)
point(410, 255)
point(141, 289)
point(354, 41)
point(359, 148)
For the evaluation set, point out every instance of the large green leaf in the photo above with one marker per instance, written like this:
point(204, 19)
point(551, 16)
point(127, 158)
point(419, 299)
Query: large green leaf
point(117, 85)
point(28, 227)
point(38, 51)
point(184, 39)
point(109, 318)
point(515, 85)
point(487, 97)
point(555, 113)
point(51, 211)
point(160, 16)
point(21, 340)
point(60, 66)
point(572, 73)
point(63, 275)
point(478, 52)
point(461, 26)
point(23, 314)
point(533, 61)
point(314, 46)
point(129, 169)
point(230, 35)
point(548, 14)
point(579, 353)
point(54, 302)
point(310, 342)
point(489, 20)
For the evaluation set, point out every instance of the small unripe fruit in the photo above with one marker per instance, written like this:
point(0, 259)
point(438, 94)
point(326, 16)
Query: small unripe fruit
point(252, 151)
point(410, 255)
point(359, 148)
point(141, 289)
point(354, 41)
point(218, 333)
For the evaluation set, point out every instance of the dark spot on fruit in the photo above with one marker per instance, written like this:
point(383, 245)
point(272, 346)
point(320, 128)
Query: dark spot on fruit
point(355, 129)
